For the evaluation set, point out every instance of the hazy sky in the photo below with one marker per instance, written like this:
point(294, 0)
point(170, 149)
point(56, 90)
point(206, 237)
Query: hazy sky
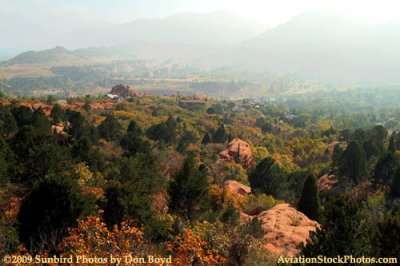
point(47, 19)
point(120, 11)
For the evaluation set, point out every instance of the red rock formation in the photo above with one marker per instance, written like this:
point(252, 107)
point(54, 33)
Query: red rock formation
point(124, 91)
point(236, 189)
point(326, 182)
point(238, 146)
point(285, 229)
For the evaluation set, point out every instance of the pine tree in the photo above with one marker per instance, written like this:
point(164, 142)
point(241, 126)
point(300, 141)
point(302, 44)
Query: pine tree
point(134, 128)
point(206, 139)
point(54, 204)
point(309, 203)
point(268, 178)
point(188, 190)
point(353, 163)
point(40, 121)
point(9, 125)
point(395, 187)
point(343, 231)
point(392, 143)
point(57, 114)
point(110, 128)
point(220, 135)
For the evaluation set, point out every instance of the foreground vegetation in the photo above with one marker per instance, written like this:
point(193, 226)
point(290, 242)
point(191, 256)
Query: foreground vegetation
point(144, 176)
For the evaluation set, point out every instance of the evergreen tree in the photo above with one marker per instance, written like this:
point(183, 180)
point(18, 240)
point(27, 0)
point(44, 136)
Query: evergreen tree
point(40, 121)
point(6, 160)
point(309, 203)
point(385, 169)
point(57, 114)
point(395, 187)
point(231, 216)
point(133, 144)
point(165, 131)
point(37, 155)
point(45, 215)
point(188, 190)
point(353, 163)
point(220, 135)
point(22, 115)
point(8, 125)
point(134, 128)
point(344, 230)
point(267, 128)
point(268, 178)
point(130, 195)
point(398, 141)
point(388, 241)
point(206, 139)
point(110, 128)
point(392, 143)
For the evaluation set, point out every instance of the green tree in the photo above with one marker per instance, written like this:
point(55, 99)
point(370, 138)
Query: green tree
point(309, 203)
point(22, 115)
point(57, 114)
point(220, 135)
point(353, 163)
point(133, 144)
point(392, 143)
point(130, 195)
point(206, 139)
point(395, 184)
point(45, 215)
point(134, 128)
point(389, 230)
point(268, 178)
point(110, 128)
point(8, 124)
point(37, 155)
point(40, 121)
point(188, 190)
point(385, 169)
point(344, 230)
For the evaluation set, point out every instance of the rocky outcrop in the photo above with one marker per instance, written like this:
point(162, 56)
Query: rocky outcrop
point(238, 150)
point(124, 91)
point(285, 229)
point(326, 183)
point(237, 189)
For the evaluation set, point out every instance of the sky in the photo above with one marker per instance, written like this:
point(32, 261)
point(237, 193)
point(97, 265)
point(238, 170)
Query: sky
point(121, 11)
point(33, 18)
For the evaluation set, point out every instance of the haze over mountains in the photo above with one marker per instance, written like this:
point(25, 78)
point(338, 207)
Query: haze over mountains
point(321, 46)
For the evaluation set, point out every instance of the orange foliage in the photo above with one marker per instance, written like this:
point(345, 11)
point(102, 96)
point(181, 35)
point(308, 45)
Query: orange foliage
point(189, 248)
point(91, 237)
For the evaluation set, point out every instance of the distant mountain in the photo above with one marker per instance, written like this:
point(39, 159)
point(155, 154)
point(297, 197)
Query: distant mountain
point(325, 46)
point(60, 54)
point(198, 29)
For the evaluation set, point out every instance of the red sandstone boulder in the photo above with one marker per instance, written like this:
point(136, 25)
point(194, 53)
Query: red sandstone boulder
point(285, 229)
point(237, 189)
point(238, 150)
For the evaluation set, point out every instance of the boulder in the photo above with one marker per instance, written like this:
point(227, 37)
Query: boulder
point(236, 189)
point(238, 150)
point(285, 229)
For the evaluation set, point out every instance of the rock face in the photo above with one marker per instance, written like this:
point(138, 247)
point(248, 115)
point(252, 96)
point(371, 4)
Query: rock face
point(124, 91)
point(326, 183)
point(238, 150)
point(285, 229)
point(236, 189)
